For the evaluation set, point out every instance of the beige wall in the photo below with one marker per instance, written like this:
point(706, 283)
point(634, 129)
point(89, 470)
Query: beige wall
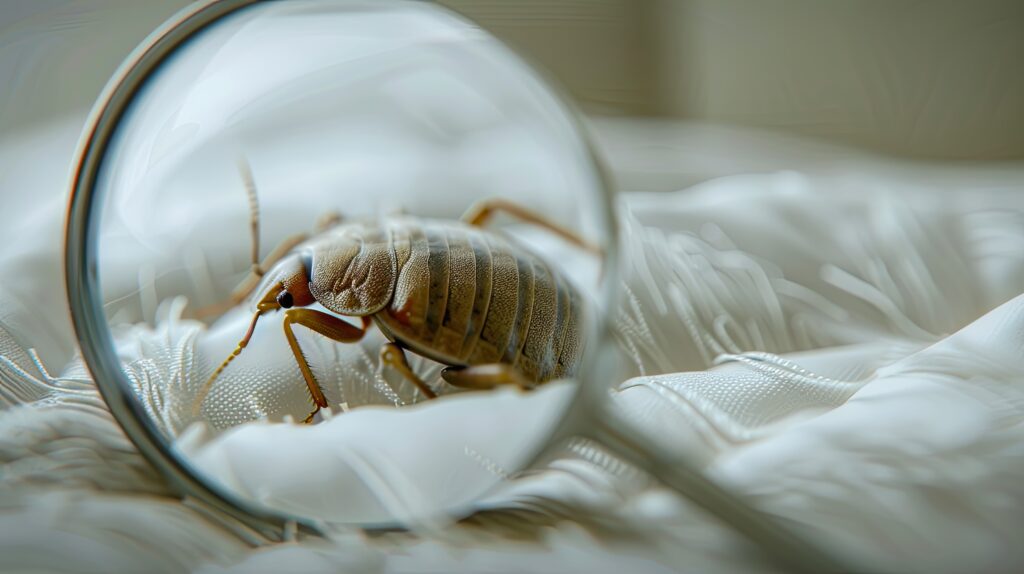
point(56, 55)
point(936, 79)
point(927, 79)
point(600, 50)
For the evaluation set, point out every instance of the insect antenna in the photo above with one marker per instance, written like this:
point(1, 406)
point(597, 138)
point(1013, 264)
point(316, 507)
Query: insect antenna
point(245, 170)
point(205, 390)
point(256, 269)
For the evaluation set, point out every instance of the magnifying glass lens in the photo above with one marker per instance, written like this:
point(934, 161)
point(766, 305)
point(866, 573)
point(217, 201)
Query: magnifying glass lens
point(350, 256)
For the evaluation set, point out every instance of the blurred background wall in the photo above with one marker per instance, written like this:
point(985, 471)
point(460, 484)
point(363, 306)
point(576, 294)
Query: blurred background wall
point(931, 79)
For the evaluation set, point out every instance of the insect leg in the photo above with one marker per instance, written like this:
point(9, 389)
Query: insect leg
point(327, 221)
point(393, 355)
point(484, 377)
point(246, 287)
point(327, 325)
point(197, 402)
point(482, 211)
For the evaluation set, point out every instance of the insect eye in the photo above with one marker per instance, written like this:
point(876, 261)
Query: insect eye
point(284, 299)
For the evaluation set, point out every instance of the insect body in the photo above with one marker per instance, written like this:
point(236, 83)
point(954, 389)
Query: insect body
point(464, 297)
point(454, 292)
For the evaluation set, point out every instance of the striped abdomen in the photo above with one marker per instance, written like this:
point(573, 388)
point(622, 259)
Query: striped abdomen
point(464, 296)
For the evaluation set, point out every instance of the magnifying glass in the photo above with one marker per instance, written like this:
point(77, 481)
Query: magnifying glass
point(352, 262)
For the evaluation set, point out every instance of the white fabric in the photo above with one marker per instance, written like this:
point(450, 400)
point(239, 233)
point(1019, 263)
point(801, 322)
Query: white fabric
point(877, 412)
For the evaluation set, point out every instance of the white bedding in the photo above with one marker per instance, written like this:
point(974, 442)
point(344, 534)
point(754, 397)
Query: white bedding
point(871, 390)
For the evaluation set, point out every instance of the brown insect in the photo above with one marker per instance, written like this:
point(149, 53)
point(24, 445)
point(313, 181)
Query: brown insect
point(453, 292)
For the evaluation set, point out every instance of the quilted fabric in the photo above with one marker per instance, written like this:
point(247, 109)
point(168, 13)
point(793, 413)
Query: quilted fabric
point(835, 377)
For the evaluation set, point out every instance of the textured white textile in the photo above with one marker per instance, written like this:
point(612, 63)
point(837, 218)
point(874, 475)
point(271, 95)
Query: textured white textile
point(860, 397)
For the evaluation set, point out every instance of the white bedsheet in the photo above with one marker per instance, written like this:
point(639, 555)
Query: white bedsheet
point(871, 392)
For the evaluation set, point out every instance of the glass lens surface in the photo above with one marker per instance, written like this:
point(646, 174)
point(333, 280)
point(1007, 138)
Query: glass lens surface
point(413, 190)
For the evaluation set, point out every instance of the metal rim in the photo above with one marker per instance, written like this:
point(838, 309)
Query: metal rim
point(85, 302)
point(253, 523)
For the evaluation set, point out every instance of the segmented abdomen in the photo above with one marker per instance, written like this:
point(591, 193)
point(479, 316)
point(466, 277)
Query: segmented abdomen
point(466, 296)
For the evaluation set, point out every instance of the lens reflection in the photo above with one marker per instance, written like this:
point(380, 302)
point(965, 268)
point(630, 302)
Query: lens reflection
point(316, 212)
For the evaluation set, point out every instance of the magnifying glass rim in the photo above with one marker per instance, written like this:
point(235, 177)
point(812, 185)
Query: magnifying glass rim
point(86, 305)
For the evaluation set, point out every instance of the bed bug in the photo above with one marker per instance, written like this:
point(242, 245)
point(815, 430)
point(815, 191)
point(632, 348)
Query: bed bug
point(452, 291)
